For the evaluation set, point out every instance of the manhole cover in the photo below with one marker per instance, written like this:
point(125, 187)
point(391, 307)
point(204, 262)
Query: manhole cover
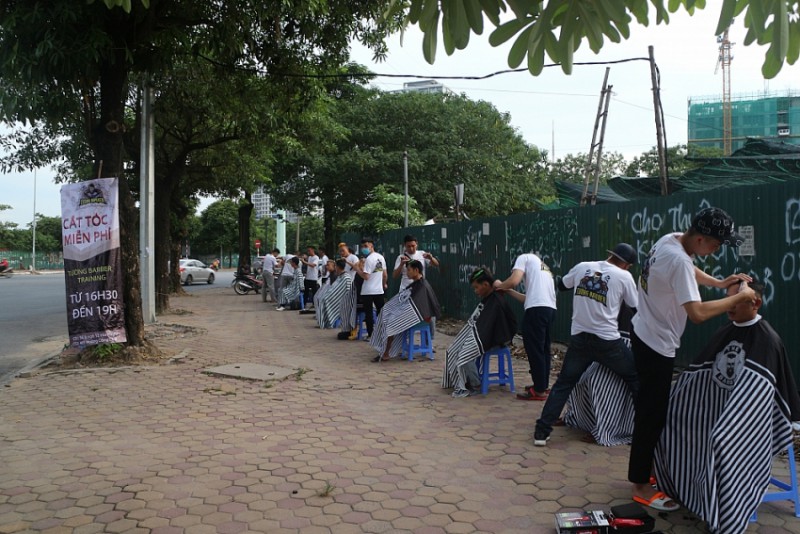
point(251, 371)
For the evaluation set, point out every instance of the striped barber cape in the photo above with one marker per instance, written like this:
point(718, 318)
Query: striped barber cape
point(411, 306)
point(602, 405)
point(348, 309)
point(729, 415)
point(291, 292)
point(330, 301)
point(492, 324)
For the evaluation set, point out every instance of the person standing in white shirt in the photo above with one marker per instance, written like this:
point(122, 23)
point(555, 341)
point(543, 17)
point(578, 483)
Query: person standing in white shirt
point(540, 312)
point(411, 252)
point(375, 282)
point(268, 273)
point(287, 272)
point(324, 274)
point(668, 294)
point(311, 261)
point(599, 289)
point(349, 258)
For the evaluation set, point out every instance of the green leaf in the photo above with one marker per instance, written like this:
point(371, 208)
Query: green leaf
point(429, 40)
point(566, 52)
point(614, 9)
point(519, 48)
point(639, 9)
point(492, 10)
point(472, 8)
point(726, 15)
point(462, 26)
point(414, 11)
point(772, 63)
point(507, 30)
point(551, 46)
point(536, 57)
point(780, 34)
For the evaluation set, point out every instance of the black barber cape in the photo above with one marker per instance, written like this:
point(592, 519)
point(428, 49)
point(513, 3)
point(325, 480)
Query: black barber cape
point(492, 324)
point(730, 413)
point(413, 305)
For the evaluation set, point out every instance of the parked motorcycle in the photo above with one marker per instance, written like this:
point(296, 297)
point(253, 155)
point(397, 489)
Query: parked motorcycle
point(8, 273)
point(245, 283)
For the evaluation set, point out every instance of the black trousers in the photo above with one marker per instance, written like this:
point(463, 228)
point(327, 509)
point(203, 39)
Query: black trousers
point(655, 380)
point(370, 301)
point(310, 289)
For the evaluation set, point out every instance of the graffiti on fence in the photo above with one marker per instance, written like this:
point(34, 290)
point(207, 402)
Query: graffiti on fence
point(649, 225)
point(551, 237)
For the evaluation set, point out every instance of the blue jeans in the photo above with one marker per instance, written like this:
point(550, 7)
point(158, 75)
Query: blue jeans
point(584, 349)
point(536, 325)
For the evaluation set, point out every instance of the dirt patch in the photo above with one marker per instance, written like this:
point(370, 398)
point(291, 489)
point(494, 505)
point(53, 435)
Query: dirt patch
point(118, 355)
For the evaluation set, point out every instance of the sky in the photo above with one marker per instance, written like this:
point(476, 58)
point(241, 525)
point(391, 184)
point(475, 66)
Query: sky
point(553, 111)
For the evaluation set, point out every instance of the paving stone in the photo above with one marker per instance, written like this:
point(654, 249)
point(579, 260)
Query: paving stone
point(165, 450)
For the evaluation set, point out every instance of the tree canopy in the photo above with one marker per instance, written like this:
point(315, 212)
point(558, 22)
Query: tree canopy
point(557, 28)
point(69, 71)
point(359, 143)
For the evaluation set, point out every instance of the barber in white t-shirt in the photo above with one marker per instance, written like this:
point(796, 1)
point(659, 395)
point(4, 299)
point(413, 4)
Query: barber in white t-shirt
point(375, 281)
point(599, 289)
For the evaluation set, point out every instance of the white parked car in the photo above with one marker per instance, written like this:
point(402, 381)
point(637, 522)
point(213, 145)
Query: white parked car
point(195, 271)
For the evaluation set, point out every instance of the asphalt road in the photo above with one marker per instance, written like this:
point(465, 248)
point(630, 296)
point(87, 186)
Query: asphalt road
point(33, 318)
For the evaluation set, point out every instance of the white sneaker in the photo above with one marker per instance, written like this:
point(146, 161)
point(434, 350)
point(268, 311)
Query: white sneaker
point(540, 442)
point(280, 308)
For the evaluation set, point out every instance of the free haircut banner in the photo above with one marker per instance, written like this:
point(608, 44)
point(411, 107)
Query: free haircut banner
point(90, 235)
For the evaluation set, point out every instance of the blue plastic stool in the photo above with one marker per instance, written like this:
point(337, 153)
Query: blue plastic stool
point(337, 323)
point(788, 491)
point(302, 302)
point(504, 374)
point(425, 344)
point(362, 325)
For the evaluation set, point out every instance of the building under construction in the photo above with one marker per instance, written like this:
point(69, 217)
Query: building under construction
point(762, 116)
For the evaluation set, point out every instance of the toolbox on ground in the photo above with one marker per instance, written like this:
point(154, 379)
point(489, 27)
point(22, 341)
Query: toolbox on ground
point(585, 522)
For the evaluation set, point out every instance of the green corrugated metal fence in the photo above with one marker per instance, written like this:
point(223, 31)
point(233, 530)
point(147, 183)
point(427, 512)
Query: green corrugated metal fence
point(565, 237)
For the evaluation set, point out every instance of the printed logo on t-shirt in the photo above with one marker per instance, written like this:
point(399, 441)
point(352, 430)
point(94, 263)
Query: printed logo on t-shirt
point(646, 271)
point(594, 286)
point(378, 267)
point(728, 365)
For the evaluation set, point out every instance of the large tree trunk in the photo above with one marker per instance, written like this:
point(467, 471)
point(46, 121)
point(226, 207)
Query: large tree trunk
point(107, 137)
point(175, 270)
point(245, 209)
point(163, 194)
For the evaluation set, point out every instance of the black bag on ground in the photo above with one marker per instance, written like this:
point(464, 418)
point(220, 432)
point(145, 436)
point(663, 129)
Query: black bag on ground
point(633, 511)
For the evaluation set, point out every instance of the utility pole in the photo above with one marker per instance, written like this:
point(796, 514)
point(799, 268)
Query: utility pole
point(660, 134)
point(299, 218)
point(405, 188)
point(146, 207)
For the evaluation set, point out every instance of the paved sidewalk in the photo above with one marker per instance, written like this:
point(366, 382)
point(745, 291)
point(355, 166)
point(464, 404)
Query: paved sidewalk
point(344, 445)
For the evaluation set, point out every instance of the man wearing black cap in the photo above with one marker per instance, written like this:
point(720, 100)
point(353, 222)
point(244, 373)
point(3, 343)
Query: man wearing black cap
point(668, 294)
point(600, 288)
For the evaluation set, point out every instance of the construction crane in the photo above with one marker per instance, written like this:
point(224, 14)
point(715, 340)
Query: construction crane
point(724, 61)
